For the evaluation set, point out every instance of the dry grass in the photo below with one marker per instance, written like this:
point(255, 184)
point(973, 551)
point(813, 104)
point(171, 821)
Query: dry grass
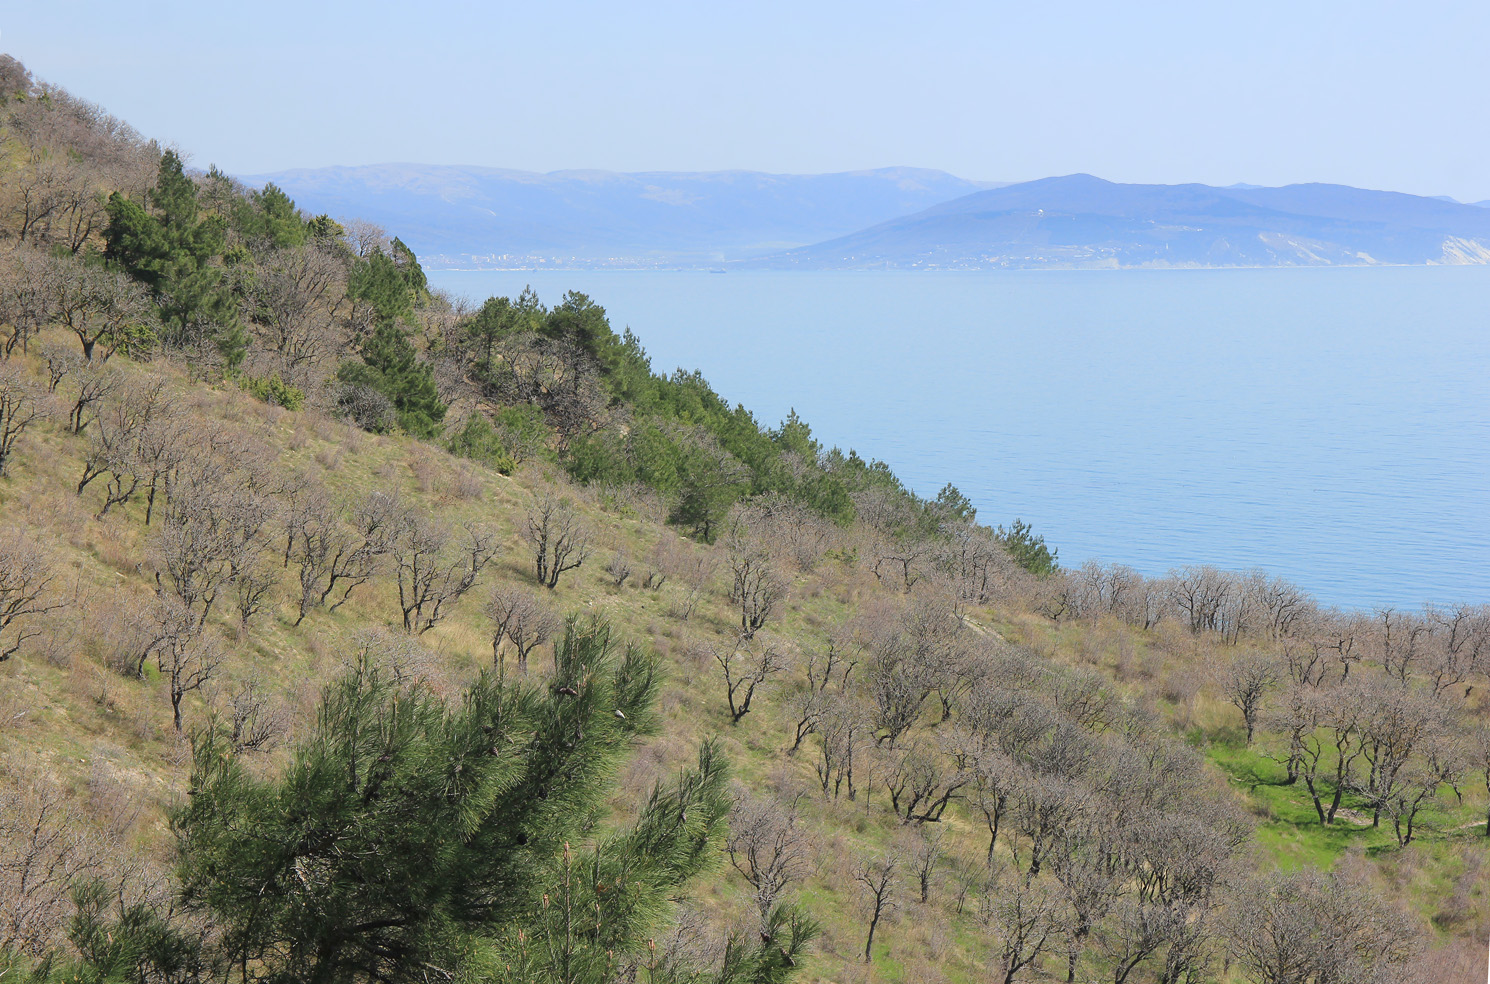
point(107, 738)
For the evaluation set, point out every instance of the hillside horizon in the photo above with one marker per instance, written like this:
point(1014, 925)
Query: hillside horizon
point(895, 217)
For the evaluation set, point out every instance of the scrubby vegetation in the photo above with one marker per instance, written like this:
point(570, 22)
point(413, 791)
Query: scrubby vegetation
point(351, 634)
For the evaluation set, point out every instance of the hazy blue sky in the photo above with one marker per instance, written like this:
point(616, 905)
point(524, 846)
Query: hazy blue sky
point(1377, 94)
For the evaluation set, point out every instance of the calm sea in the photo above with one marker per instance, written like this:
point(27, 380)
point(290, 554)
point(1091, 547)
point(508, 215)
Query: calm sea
point(1329, 425)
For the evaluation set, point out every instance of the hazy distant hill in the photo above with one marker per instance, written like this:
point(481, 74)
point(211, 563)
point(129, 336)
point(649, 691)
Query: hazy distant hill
point(631, 219)
point(1082, 221)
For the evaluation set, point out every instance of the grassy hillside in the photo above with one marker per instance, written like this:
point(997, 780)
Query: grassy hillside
point(914, 678)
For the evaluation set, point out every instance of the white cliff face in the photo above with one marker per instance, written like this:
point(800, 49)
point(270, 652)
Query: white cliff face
point(1460, 252)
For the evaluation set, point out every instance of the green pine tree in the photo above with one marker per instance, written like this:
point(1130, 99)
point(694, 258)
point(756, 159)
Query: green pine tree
point(391, 366)
point(413, 838)
point(170, 248)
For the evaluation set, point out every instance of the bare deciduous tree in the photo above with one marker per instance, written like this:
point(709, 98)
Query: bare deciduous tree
point(187, 656)
point(842, 734)
point(253, 585)
point(1199, 594)
point(335, 554)
point(60, 363)
point(877, 889)
point(1479, 757)
point(1025, 920)
point(123, 428)
point(103, 308)
point(428, 580)
point(827, 667)
point(255, 723)
point(922, 782)
point(1306, 925)
point(757, 588)
point(924, 859)
point(1462, 644)
point(745, 667)
point(522, 619)
point(977, 564)
point(95, 383)
point(44, 850)
point(293, 304)
point(25, 576)
point(619, 568)
point(559, 540)
point(769, 847)
point(26, 297)
point(20, 407)
point(1246, 684)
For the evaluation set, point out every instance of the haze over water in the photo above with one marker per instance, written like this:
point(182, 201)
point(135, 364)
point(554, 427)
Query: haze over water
point(1329, 425)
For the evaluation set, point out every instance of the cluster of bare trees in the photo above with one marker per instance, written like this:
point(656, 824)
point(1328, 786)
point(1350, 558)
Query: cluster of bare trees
point(66, 156)
point(1356, 729)
point(521, 619)
point(225, 522)
point(1233, 605)
point(1105, 846)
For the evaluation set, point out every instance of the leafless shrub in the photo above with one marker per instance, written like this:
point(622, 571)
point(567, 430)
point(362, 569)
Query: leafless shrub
point(664, 562)
point(425, 470)
point(400, 655)
point(466, 485)
point(802, 534)
point(619, 568)
point(695, 573)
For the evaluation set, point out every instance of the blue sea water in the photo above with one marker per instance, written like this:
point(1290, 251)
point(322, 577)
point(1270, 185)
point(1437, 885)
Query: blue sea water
point(1329, 425)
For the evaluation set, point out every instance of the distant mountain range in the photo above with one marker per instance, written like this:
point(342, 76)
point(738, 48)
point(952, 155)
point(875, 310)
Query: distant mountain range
point(504, 217)
point(1082, 221)
point(905, 218)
